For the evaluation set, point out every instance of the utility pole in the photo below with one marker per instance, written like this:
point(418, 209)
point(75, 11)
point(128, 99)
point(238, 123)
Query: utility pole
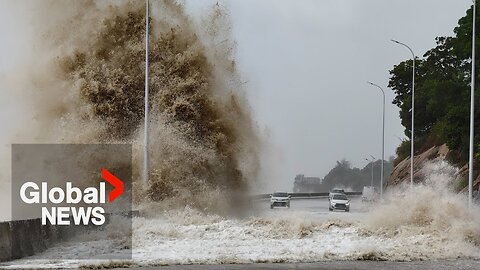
point(413, 111)
point(145, 150)
point(371, 163)
point(383, 139)
point(472, 114)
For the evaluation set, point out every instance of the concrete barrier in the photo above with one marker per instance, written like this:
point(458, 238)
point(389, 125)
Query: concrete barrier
point(5, 242)
point(23, 238)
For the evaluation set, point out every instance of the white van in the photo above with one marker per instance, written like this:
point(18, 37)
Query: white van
point(369, 194)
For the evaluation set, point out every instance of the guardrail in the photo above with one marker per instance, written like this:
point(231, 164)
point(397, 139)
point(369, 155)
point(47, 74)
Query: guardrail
point(304, 195)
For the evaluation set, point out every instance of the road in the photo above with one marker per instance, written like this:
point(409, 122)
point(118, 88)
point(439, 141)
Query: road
point(316, 208)
point(281, 235)
point(335, 265)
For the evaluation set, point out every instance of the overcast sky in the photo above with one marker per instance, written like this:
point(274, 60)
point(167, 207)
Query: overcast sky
point(307, 63)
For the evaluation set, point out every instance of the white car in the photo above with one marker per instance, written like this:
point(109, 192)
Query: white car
point(335, 191)
point(280, 199)
point(339, 202)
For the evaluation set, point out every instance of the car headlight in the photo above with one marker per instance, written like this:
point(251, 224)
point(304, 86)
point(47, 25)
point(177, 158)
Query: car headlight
point(347, 204)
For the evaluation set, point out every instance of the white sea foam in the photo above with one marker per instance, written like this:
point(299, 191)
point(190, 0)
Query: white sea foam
point(428, 222)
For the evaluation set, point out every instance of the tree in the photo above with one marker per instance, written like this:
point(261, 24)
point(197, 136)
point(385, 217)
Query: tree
point(344, 176)
point(442, 92)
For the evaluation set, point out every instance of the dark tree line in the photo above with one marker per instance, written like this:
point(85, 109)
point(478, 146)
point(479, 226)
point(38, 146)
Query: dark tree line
point(343, 175)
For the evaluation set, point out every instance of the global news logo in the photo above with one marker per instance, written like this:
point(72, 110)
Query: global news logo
point(91, 199)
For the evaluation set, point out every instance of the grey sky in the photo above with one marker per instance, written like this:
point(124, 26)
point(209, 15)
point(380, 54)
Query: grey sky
point(306, 63)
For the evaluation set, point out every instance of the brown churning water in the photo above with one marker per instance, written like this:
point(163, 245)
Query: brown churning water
point(90, 88)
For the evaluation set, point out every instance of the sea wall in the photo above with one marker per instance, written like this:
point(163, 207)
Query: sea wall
point(23, 238)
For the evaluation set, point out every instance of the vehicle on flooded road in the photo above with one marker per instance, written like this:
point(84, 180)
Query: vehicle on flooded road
point(369, 194)
point(339, 202)
point(281, 199)
point(335, 191)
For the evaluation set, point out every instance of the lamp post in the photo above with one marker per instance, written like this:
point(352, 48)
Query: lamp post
point(372, 160)
point(145, 150)
point(472, 107)
point(413, 110)
point(383, 138)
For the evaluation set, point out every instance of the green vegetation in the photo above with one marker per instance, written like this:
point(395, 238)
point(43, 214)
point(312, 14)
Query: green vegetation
point(442, 94)
point(459, 185)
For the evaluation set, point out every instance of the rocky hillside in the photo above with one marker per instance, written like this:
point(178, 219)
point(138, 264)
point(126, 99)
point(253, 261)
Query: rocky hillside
point(401, 172)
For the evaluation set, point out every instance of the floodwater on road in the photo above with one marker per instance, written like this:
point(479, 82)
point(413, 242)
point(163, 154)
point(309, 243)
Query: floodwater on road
point(305, 232)
point(314, 208)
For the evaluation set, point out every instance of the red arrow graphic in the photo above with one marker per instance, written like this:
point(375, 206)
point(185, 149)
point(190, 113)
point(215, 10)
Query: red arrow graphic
point(115, 182)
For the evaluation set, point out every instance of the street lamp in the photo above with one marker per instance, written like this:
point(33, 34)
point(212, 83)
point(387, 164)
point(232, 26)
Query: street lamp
point(383, 137)
point(372, 160)
point(413, 110)
point(472, 107)
point(145, 149)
